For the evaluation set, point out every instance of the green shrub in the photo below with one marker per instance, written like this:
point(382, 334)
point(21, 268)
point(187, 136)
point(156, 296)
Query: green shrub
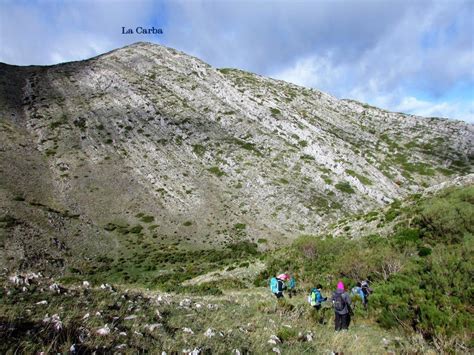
point(344, 187)
point(431, 297)
point(136, 229)
point(275, 111)
point(448, 217)
point(199, 149)
point(364, 180)
point(216, 171)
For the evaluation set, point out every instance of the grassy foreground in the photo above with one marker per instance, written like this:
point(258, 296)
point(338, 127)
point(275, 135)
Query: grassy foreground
point(247, 321)
point(217, 301)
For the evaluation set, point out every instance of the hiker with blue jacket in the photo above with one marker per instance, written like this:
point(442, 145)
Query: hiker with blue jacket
point(316, 297)
point(342, 307)
point(277, 286)
point(358, 292)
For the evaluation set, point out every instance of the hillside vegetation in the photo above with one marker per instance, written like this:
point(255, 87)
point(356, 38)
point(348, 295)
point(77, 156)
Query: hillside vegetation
point(422, 273)
point(422, 301)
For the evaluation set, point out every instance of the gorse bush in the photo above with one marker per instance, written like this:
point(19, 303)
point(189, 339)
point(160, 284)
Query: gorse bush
point(448, 217)
point(433, 296)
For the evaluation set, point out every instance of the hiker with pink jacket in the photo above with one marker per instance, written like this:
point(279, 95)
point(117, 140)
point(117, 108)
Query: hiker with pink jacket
point(341, 302)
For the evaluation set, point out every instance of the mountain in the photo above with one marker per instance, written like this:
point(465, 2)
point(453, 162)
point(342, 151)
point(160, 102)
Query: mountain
point(148, 144)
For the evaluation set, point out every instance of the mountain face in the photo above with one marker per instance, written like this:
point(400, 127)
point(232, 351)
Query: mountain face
point(151, 142)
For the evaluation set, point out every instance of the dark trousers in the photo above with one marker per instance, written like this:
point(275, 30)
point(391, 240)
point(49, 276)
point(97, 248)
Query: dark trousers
point(342, 321)
point(279, 294)
point(291, 292)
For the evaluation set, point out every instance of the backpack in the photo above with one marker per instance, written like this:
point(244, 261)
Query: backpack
point(366, 290)
point(338, 302)
point(315, 297)
point(274, 285)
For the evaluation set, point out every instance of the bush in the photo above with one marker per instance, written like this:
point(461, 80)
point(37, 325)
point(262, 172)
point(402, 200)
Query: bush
point(345, 187)
point(431, 297)
point(449, 216)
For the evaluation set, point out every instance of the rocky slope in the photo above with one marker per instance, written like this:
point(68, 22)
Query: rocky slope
point(150, 142)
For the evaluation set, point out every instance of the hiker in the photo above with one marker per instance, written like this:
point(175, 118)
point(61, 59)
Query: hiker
point(366, 290)
point(277, 286)
point(357, 292)
point(342, 307)
point(316, 297)
point(292, 287)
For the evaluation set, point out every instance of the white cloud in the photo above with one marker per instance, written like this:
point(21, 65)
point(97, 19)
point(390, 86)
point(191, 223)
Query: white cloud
point(317, 72)
point(410, 104)
point(380, 52)
point(49, 32)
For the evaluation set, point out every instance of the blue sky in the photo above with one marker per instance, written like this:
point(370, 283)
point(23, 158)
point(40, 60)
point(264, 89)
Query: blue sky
point(402, 55)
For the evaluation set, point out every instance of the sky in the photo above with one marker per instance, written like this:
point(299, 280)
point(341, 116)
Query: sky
point(412, 56)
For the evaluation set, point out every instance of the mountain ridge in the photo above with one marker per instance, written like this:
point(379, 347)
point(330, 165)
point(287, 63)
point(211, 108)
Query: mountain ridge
point(147, 137)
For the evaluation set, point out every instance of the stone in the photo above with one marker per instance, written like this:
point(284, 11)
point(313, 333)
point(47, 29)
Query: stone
point(105, 330)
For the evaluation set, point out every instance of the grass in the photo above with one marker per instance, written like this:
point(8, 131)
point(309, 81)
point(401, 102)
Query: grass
point(243, 319)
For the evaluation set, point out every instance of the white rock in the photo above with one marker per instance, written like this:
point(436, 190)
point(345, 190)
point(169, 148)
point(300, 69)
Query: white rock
point(17, 279)
point(58, 326)
point(56, 321)
point(133, 316)
point(104, 330)
point(236, 352)
point(121, 346)
point(185, 303)
point(42, 302)
point(138, 333)
point(276, 350)
point(107, 287)
point(209, 333)
point(274, 338)
point(123, 334)
point(55, 287)
point(86, 284)
point(152, 327)
point(87, 315)
point(188, 330)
